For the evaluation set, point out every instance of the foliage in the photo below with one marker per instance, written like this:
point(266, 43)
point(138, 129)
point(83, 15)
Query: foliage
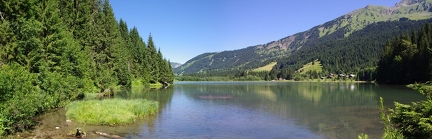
point(407, 59)
point(409, 121)
point(110, 111)
point(356, 54)
point(390, 132)
point(16, 94)
point(363, 136)
point(415, 120)
point(52, 52)
point(360, 50)
point(346, 44)
point(225, 75)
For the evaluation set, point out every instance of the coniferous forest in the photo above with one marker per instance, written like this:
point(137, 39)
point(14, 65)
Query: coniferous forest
point(407, 58)
point(52, 52)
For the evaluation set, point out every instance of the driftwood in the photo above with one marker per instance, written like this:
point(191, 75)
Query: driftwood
point(108, 135)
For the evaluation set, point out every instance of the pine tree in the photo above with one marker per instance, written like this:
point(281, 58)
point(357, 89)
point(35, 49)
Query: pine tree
point(122, 67)
point(106, 41)
point(140, 60)
point(153, 60)
point(406, 59)
point(78, 15)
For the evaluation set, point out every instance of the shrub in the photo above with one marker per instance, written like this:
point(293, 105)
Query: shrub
point(19, 100)
point(415, 121)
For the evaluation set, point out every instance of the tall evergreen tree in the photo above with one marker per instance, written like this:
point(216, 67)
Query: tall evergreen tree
point(105, 44)
point(406, 59)
point(140, 60)
point(78, 15)
point(154, 68)
point(51, 52)
point(122, 69)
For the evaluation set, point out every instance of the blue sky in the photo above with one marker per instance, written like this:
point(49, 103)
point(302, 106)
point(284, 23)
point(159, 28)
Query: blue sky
point(183, 29)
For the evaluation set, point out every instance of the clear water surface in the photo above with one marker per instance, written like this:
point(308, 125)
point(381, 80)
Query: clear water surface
point(294, 110)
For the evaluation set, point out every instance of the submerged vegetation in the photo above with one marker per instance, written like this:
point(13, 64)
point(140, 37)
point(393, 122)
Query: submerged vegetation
point(110, 111)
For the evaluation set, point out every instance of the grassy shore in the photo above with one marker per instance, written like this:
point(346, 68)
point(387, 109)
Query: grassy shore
point(110, 111)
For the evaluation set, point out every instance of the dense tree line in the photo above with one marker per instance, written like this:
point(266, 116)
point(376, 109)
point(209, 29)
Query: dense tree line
point(225, 75)
point(244, 59)
point(407, 58)
point(354, 54)
point(51, 52)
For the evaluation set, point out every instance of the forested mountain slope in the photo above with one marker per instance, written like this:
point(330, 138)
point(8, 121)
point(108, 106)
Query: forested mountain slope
point(362, 49)
point(335, 30)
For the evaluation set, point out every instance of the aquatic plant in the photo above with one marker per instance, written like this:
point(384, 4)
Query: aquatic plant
point(110, 111)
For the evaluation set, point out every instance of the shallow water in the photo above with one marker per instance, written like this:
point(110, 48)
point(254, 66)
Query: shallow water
point(250, 110)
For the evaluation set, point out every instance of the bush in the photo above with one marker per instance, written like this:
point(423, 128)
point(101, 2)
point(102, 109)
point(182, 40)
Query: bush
point(23, 95)
point(415, 121)
point(2, 127)
point(19, 101)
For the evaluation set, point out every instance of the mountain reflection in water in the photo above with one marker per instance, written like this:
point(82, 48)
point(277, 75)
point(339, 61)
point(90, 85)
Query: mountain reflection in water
point(261, 110)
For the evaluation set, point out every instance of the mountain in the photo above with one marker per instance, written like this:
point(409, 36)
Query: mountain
point(175, 64)
point(289, 50)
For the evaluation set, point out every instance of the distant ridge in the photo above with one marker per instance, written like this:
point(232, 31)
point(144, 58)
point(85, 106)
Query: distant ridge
point(283, 49)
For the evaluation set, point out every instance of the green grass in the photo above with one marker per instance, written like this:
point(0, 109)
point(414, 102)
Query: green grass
point(110, 111)
point(137, 83)
point(188, 64)
point(266, 67)
point(156, 85)
point(311, 66)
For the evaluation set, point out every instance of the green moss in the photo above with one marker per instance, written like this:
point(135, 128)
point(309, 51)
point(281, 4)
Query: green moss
point(110, 111)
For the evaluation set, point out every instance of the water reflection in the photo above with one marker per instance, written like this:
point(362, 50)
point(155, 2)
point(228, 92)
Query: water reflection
point(333, 110)
point(257, 110)
point(163, 96)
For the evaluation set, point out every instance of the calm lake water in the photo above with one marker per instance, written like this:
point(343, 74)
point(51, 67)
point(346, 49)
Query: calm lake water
point(297, 110)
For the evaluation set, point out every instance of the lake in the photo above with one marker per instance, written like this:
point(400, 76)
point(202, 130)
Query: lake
point(297, 110)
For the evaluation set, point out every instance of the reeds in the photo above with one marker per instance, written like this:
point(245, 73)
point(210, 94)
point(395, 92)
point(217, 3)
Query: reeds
point(110, 111)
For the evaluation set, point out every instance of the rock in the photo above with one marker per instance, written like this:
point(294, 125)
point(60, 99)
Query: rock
point(57, 127)
point(79, 133)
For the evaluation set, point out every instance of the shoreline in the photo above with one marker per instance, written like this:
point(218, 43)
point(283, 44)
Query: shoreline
point(315, 80)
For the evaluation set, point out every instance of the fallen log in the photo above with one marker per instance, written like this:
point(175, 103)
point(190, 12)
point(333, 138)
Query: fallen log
point(108, 135)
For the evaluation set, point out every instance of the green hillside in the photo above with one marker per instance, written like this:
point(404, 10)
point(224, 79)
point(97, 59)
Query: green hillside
point(361, 50)
point(311, 66)
point(346, 44)
point(266, 67)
